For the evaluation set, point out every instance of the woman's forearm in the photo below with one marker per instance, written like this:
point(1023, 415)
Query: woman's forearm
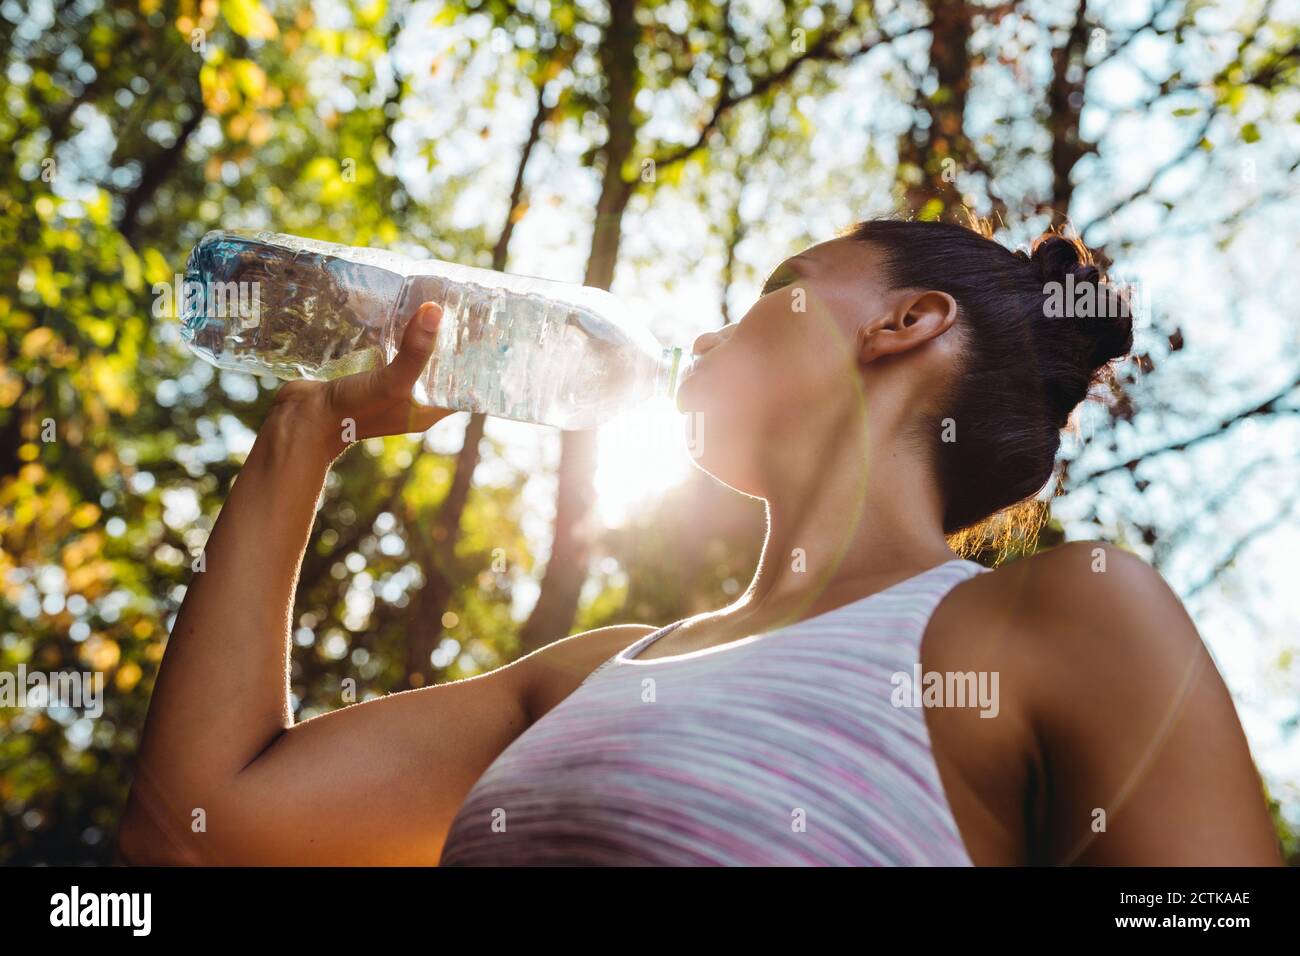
point(222, 691)
point(222, 696)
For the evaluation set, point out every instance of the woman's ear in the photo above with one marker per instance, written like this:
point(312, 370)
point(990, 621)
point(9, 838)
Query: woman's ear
point(914, 319)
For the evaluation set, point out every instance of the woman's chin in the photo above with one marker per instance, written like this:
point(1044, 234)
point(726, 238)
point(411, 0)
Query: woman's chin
point(687, 399)
point(688, 388)
point(694, 391)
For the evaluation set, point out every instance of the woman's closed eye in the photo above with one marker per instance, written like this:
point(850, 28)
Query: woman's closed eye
point(781, 276)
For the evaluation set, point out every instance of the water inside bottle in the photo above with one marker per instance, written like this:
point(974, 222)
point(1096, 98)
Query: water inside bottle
point(546, 357)
point(526, 356)
point(315, 316)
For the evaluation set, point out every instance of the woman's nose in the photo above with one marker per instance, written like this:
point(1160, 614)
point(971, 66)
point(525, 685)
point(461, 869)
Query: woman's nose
point(711, 340)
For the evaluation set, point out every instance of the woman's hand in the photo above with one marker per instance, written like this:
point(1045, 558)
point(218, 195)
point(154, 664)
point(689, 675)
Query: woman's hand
point(368, 404)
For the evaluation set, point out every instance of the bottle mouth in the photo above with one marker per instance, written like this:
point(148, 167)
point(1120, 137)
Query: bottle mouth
point(675, 363)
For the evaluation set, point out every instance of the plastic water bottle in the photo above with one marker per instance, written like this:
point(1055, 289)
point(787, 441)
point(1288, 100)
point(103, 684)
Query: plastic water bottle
point(516, 347)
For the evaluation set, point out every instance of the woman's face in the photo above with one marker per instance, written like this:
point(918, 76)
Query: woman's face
point(773, 384)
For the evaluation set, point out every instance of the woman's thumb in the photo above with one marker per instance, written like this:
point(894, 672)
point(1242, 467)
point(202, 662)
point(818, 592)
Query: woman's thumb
point(416, 346)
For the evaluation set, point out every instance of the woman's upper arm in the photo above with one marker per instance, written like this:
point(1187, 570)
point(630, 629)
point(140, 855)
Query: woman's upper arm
point(373, 783)
point(380, 781)
point(1148, 764)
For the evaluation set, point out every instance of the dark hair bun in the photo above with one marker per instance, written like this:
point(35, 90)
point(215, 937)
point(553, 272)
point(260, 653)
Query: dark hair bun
point(1086, 321)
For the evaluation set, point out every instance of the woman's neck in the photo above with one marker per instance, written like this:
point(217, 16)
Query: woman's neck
point(838, 530)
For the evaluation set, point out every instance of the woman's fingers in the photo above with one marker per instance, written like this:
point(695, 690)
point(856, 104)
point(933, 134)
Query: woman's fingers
point(413, 353)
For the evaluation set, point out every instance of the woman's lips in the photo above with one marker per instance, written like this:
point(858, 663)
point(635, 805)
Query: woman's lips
point(688, 376)
point(695, 364)
point(686, 385)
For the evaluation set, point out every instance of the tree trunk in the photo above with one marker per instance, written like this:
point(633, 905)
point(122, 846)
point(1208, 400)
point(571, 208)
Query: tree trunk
point(931, 158)
point(156, 172)
point(1065, 104)
point(424, 627)
point(557, 605)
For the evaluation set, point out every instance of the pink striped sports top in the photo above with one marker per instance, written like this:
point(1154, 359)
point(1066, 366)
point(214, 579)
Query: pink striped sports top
point(782, 749)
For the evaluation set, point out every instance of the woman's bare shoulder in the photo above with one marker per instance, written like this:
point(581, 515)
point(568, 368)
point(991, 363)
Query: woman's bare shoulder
point(1070, 611)
point(1073, 583)
point(1127, 708)
point(551, 673)
point(1085, 588)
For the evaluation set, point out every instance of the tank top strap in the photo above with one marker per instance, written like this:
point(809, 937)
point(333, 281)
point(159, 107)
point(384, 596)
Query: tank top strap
point(925, 592)
point(913, 600)
point(633, 649)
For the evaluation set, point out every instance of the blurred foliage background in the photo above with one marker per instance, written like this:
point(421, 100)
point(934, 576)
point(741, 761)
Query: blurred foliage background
point(672, 151)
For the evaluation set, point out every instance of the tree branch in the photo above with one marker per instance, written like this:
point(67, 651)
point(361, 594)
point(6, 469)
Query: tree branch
point(1268, 407)
point(1289, 510)
point(729, 100)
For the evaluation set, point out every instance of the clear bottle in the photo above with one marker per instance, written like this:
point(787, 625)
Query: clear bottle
point(517, 347)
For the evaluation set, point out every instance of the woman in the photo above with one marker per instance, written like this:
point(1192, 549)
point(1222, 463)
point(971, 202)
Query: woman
point(872, 698)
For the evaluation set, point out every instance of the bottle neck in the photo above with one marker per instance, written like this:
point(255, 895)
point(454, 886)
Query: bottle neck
point(674, 363)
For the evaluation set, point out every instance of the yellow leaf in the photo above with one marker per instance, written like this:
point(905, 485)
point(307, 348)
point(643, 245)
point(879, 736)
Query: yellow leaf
point(251, 79)
point(132, 277)
point(36, 342)
point(259, 130)
point(100, 209)
point(216, 84)
point(100, 652)
point(446, 17)
point(107, 383)
point(931, 211)
point(11, 387)
point(372, 13)
point(100, 331)
point(249, 19)
point(85, 515)
point(105, 463)
point(128, 675)
point(333, 191)
point(322, 168)
point(155, 266)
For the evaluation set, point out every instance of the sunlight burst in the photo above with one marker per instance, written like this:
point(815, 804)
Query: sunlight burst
point(640, 455)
